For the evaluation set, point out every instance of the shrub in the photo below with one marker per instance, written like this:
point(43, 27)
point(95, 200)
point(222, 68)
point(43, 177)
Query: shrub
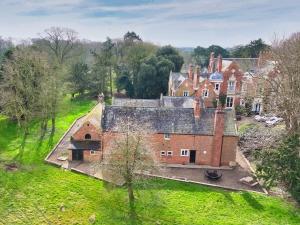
point(281, 165)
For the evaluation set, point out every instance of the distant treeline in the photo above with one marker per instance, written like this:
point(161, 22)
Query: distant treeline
point(200, 55)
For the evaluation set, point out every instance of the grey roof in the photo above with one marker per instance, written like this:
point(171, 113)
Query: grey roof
point(167, 120)
point(85, 145)
point(165, 101)
point(177, 102)
point(128, 102)
point(246, 64)
point(178, 78)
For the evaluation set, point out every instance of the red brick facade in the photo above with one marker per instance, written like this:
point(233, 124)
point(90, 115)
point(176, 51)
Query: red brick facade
point(212, 150)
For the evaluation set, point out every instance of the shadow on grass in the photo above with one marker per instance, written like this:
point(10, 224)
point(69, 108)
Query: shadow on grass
point(145, 198)
point(20, 154)
point(252, 201)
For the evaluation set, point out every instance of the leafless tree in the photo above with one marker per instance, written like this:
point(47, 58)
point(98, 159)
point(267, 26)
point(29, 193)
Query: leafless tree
point(61, 42)
point(283, 80)
point(131, 154)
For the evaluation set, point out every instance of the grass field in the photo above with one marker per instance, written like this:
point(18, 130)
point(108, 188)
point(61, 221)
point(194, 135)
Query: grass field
point(38, 193)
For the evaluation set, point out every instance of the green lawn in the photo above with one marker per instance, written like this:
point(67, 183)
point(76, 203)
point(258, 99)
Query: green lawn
point(36, 192)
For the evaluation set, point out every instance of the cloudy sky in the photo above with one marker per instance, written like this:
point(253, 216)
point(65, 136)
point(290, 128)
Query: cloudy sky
point(182, 23)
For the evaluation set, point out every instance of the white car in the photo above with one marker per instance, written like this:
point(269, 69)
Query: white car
point(273, 120)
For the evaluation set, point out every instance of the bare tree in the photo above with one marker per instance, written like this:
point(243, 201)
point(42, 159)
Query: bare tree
point(130, 155)
point(60, 42)
point(283, 81)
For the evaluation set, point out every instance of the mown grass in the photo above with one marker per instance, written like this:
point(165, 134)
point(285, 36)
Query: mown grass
point(38, 193)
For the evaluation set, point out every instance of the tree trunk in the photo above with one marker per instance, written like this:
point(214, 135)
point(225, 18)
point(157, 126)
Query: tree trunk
point(110, 76)
point(44, 125)
point(53, 124)
point(131, 199)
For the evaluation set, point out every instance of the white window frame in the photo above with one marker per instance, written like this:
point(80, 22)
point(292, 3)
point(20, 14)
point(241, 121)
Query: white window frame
point(167, 136)
point(186, 93)
point(162, 153)
point(232, 102)
point(205, 93)
point(93, 152)
point(169, 153)
point(184, 152)
point(231, 87)
point(217, 85)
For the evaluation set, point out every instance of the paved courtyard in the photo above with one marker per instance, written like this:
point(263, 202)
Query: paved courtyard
point(230, 177)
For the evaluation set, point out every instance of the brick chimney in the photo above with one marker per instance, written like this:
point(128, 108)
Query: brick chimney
point(219, 63)
point(218, 137)
point(197, 109)
point(196, 78)
point(191, 71)
point(211, 62)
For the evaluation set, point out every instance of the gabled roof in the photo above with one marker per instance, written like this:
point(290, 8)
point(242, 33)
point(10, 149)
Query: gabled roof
point(167, 120)
point(178, 78)
point(93, 115)
point(245, 64)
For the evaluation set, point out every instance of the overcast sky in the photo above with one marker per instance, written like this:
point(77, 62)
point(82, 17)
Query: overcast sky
point(182, 23)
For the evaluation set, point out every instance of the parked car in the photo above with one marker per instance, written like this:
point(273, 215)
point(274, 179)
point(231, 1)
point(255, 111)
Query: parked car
point(273, 120)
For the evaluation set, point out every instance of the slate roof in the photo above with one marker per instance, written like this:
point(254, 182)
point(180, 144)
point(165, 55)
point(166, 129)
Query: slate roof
point(165, 101)
point(177, 102)
point(178, 78)
point(167, 120)
point(85, 145)
point(246, 64)
point(128, 102)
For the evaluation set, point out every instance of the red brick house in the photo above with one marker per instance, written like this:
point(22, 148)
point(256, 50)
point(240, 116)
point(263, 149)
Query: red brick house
point(184, 131)
point(223, 76)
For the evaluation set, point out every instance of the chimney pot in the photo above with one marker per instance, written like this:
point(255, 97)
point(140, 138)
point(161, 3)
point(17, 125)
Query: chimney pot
point(197, 109)
point(196, 78)
point(211, 62)
point(220, 63)
point(218, 137)
point(191, 71)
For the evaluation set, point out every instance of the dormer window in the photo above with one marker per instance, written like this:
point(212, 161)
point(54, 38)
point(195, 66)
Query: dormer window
point(87, 137)
point(205, 93)
point(186, 94)
point(167, 136)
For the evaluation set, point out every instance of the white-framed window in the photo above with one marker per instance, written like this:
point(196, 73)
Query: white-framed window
point(217, 86)
point(242, 102)
point(205, 93)
point(229, 102)
point(169, 153)
point(167, 136)
point(186, 93)
point(92, 152)
point(162, 153)
point(231, 85)
point(184, 152)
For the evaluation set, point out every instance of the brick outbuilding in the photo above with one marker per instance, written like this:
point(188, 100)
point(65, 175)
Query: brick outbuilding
point(183, 129)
